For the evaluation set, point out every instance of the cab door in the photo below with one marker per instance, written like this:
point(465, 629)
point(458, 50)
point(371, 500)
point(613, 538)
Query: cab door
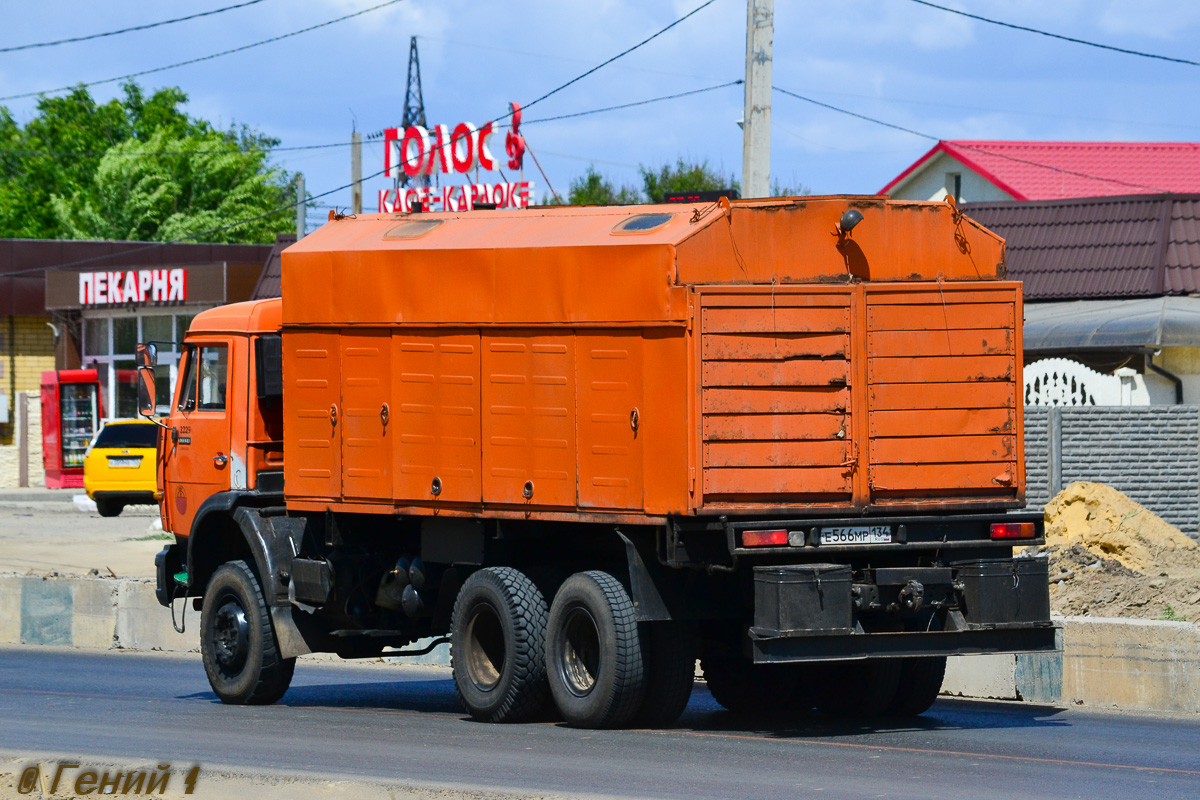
point(197, 458)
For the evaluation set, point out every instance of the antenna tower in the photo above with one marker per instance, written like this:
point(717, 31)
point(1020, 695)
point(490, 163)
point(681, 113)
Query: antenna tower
point(414, 106)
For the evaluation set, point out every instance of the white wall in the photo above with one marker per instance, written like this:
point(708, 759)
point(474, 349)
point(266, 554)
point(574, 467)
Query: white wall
point(929, 182)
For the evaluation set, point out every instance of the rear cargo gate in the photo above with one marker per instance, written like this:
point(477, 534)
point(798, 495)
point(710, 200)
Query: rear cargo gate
point(792, 416)
point(775, 397)
point(942, 377)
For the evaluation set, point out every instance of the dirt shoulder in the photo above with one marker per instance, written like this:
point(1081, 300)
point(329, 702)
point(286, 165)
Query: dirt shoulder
point(1111, 557)
point(55, 535)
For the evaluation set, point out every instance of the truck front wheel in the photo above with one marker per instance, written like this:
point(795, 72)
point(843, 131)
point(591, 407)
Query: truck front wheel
point(594, 658)
point(237, 640)
point(497, 646)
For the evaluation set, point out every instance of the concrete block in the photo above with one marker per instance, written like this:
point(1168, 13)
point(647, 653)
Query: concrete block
point(10, 609)
point(142, 624)
point(1038, 677)
point(992, 677)
point(46, 612)
point(95, 618)
point(1132, 664)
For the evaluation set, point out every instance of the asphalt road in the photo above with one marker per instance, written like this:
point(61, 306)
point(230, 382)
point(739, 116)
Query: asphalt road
point(403, 723)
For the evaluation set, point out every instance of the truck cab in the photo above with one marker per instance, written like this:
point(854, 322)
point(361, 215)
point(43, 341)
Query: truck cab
point(223, 433)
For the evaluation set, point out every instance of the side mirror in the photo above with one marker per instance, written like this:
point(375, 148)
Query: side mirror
point(147, 355)
point(147, 359)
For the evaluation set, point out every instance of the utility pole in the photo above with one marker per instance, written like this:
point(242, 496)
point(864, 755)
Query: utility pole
point(301, 205)
point(356, 172)
point(756, 124)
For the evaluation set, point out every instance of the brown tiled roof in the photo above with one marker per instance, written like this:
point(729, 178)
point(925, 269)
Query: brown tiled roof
point(270, 283)
point(1099, 247)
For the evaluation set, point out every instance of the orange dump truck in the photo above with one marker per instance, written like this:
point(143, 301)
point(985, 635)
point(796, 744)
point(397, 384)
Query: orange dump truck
point(591, 445)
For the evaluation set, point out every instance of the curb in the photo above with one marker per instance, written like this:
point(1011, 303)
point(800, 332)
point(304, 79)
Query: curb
point(38, 495)
point(111, 614)
point(1132, 664)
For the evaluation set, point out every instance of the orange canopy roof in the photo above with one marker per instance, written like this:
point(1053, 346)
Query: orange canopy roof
point(582, 264)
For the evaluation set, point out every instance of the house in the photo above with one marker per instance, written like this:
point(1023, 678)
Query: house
point(1111, 344)
point(994, 171)
point(1109, 283)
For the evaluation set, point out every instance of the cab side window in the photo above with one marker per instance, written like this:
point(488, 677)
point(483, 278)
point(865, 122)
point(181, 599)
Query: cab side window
point(187, 380)
point(213, 363)
point(205, 378)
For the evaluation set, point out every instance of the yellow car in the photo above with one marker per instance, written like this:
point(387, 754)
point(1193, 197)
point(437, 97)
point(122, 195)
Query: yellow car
point(119, 468)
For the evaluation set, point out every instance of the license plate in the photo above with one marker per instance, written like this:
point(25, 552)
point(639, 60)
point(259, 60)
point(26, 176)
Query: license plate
point(125, 461)
point(860, 534)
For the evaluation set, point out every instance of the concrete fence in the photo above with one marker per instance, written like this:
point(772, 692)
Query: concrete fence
point(1150, 453)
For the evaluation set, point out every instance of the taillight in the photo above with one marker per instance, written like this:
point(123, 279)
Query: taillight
point(764, 538)
point(1013, 530)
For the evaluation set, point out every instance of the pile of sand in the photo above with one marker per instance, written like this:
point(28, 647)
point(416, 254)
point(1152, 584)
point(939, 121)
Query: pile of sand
point(1110, 557)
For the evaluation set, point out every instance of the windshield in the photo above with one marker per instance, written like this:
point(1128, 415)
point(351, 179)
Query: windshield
point(128, 436)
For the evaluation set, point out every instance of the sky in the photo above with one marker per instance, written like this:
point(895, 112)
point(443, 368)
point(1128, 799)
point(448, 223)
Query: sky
point(937, 73)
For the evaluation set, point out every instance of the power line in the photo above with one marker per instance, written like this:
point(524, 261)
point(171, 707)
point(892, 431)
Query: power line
point(164, 153)
point(203, 58)
point(127, 30)
point(306, 200)
point(1056, 35)
point(985, 151)
point(622, 54)
point(272, 150)
point(854, 114)
point(220, 229)
point(637, 103)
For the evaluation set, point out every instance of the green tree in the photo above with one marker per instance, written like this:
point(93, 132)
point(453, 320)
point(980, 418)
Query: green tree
point(72, 172)
point(162, 198)
point(683, 176)
point(591, 189)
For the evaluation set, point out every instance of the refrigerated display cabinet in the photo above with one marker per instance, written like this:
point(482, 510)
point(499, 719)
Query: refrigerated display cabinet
point(71, 414)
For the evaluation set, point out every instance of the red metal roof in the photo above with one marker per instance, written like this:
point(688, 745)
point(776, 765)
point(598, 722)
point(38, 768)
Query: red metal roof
point(1099, 247)
point(1053, 170)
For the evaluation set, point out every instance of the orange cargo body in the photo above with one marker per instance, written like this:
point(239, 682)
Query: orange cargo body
point(636, 363)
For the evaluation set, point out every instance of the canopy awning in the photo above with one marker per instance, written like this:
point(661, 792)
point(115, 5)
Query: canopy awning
point(1113, 324)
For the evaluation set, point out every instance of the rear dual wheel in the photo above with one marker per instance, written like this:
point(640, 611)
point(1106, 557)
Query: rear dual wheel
point(743, 687)
point(670, 658)
point(594, 658)
point(895, 687)
point(602, 668)
point(497, 646)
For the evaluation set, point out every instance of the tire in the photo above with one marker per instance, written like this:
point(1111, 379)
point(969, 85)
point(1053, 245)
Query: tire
point(594, 659)
point(920, 684)
point(497, 646)
point(857, 688)
point(670, 665)
point(109, 508)
point(237, 640)
point(745, 688)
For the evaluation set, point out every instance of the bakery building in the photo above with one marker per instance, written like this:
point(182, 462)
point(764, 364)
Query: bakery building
point(84, 305)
